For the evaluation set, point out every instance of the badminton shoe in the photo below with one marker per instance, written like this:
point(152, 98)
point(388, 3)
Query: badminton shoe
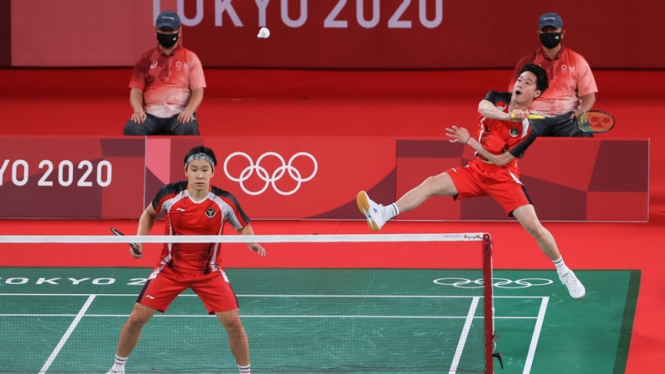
point(375, 213)
point(575, 287)
point(116, 370)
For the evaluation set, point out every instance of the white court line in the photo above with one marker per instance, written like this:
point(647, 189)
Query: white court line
point(465, 333)
point(261, 316)
point(68, 333)
point(536, 335)
point(252, 316)
point(284, 296)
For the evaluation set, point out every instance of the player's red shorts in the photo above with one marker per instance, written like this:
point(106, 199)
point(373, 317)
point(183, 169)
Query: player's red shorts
point(214, 289)
point(480, 179)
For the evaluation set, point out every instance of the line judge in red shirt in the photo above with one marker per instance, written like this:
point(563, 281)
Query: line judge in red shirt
point(191, 207)
point(572, 85)
point(503, 135)
point(166, 85)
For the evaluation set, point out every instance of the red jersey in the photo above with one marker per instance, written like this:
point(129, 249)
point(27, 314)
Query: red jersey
point(498, 136)
point(167, 80)
point(569, 76)
point(184, 216)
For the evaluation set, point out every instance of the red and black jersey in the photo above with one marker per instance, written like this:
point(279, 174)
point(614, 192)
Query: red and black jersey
point(184, 216)
point(498, 136)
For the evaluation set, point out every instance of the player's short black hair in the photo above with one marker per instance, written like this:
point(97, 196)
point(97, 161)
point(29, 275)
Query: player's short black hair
point(198, 152)
point(542, 83)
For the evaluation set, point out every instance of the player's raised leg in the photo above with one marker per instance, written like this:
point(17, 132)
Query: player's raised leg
point(527, 217)
point(377, 215)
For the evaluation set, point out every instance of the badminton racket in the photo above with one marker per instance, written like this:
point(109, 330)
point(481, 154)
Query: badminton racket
point(135, 248)
point(530, 116)
point(595, 121)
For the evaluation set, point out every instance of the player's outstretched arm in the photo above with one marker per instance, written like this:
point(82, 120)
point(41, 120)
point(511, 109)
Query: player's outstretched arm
point(256, 247)
point(488, 110)
point(461, 135)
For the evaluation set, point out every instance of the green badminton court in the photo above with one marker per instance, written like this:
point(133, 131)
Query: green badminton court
point(67, 320)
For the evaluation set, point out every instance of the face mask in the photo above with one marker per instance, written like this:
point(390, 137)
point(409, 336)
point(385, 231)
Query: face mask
point(550, 40)
point(167, 40)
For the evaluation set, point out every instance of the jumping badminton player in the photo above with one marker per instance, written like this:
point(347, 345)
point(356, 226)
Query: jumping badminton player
point(503, 136)
point(191, 207)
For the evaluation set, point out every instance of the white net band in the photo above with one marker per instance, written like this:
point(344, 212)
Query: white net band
point(348, 238)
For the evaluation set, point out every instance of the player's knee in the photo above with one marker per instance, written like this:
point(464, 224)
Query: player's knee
point(136, 321)
point(438, 185)
point(232, 325)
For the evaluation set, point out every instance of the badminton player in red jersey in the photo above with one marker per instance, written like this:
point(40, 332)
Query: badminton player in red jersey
point(504, 134)
point(191, 207)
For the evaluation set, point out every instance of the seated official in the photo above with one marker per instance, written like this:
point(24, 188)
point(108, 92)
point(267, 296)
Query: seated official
point(166, 85)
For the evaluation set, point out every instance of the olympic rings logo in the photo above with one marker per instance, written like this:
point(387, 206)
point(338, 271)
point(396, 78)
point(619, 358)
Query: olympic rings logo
point(276, 175)
point(496, 282)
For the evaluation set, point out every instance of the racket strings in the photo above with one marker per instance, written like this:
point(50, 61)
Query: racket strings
point(596, 121)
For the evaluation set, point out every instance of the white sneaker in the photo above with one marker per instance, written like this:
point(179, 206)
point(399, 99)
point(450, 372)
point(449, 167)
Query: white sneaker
point(116, 370)
point(375, 213)
point(575, 287)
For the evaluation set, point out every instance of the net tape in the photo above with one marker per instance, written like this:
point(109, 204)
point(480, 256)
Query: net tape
point(357, 238)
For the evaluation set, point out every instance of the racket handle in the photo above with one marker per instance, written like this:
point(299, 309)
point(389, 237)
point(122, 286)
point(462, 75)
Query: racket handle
point(135, 248)
point(530, 116)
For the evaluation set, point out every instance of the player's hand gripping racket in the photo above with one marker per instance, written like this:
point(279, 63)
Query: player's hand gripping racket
point(595, 121)
point(135, 248)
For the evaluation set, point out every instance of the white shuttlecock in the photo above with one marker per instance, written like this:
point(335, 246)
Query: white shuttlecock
point(264, 33)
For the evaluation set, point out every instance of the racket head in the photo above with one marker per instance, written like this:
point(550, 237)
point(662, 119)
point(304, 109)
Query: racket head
point(595, 121)
point(135, 248)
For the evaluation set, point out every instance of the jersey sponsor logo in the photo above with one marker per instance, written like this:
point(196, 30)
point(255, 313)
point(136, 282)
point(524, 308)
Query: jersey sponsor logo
point(210, 212)
point(514, 132)
point(180, 209)
point(270, 179)
point(153, 65)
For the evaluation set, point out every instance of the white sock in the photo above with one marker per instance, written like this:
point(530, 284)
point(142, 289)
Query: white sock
point(119, 361)
point(391, 211)
point(245, 369)
point(561, 267)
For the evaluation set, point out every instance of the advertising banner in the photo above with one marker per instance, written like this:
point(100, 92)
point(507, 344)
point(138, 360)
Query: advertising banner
point(567, 179)
point(296, 178)
point(88, 178)
point(330, 34)
point(285, 178)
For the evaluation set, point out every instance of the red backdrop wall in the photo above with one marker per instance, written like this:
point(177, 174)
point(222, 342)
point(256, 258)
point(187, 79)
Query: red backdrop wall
point(359, 34)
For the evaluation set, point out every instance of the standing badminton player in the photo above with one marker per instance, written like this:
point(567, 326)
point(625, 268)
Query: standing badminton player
point(191, 207)
point(503, 136)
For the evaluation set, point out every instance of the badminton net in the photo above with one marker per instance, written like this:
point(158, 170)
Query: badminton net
point(316, 303)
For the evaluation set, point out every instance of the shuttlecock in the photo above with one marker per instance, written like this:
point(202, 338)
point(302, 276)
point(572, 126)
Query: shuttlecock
point(264, 33)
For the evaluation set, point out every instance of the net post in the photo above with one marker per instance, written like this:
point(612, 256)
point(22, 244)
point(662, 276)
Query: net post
point(488, 304)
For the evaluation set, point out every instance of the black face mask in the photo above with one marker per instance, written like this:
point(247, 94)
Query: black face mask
point(167, 40)
point(550, 40)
